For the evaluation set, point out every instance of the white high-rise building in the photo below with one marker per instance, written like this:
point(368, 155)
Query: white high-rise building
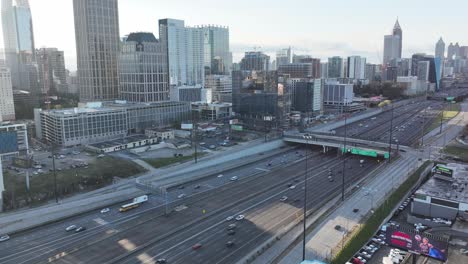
point(216, 46)
point(7, 108)
point(356, 68)
point(185, 52)
point(97, 48)
point(283, 57)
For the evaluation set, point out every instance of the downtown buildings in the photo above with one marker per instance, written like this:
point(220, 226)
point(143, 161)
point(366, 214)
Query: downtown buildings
point(52, 74)
point(7, 108)
point(97, 48)
point(143, 69)
point(194, 51)
point(393, 44)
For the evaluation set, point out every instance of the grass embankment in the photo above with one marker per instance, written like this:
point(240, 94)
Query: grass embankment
point(371, 225)
point(162, 162)
point(99, 173)
point(460, 152)
point(448, 114)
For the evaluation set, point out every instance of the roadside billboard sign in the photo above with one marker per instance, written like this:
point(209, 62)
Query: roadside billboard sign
point(233, 121)
point(186, 126)
point(418, 243)
point(442, 170)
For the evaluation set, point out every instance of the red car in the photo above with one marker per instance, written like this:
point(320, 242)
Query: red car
point(196, 246)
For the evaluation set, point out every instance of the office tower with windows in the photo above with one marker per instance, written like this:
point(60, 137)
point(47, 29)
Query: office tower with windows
point(51, 71)
point(18, 38)
point(7, 108)
point(143, 69)
point(440, 49)
point(255, 61)
point(283, 57)
point(97, 48)
point(393, 44)
point(335, 67)
point(217, 56)
point(356, 67)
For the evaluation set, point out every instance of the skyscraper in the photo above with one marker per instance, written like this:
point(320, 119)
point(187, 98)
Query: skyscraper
point(283, 57)
point(185, 51)
point(440, 49)
point(143, 69)
point(393, 44)
point(7, 109)
point(97, 48)
point(216, 49)
point(356, 67)
point(398, 32)
point(335, 67)
point(52, 72)
point(18, 38)
point(255, 61)
point(453, 51)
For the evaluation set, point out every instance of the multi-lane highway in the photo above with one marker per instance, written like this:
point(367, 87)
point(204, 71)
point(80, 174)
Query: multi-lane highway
point(148, 235)
point(408, 123)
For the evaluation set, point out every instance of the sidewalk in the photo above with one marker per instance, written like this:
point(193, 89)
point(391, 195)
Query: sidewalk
point(125, 189)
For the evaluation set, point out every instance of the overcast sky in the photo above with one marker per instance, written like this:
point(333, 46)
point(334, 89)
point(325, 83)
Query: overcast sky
point(321, 28)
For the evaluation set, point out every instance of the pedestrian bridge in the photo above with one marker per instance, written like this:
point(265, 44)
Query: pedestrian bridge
point(353, 145)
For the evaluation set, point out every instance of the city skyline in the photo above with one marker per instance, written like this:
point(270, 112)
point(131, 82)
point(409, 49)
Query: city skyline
point(323, 41)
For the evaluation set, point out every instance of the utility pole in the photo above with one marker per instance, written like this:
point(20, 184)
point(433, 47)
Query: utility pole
point(305, 200)
point(194, 137)
point(55, 177)
point(442, 118)
point(344, 159)
point(423, 126)
point(390, 140)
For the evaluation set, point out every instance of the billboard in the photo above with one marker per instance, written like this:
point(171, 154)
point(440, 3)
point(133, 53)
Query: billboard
point(8, 142)
point(443, 170)
point(418, 243)
point(186, 126)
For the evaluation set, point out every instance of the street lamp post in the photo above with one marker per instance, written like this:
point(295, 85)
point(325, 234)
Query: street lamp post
point(390, 140)
point(306, 137)
point(55, 177)
point(344, 160)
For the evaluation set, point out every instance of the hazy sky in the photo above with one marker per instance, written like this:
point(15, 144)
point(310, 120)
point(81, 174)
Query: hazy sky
point(321, 28)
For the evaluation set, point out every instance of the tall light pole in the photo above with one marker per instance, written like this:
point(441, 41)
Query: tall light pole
point(344, 159)
point(390, 140)
point(306, 137)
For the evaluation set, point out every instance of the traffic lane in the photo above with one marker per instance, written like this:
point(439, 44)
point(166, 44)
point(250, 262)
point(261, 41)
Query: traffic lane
point(272, 198)
point(217, 180)
point(41, 235)
point(262, 219)
point(227, 195)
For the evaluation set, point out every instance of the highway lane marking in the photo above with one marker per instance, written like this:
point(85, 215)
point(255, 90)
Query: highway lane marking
point(262, 169)
point(100, 221)
point(223, 221)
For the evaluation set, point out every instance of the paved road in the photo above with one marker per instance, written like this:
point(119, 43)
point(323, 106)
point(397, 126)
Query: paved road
point(116, 237)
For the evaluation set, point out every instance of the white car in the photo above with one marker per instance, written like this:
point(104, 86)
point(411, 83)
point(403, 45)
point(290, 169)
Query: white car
point(284, 198)
point(229, 218)
point(4, 238)
point(292, 187)
point(220, 176)
point(182, 195)
point(240, 217)
point(234, 178)
point(105, 210)
point(71, 228)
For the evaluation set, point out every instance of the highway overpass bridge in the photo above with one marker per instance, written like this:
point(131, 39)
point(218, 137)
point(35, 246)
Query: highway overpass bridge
point(353, 145)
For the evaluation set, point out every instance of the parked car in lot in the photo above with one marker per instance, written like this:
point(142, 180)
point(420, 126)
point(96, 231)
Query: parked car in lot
point(70, 228)
point(4, 238)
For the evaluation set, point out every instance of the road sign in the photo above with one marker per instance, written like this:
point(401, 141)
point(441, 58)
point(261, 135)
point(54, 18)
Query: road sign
point(362, 152)
point(237, 127)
